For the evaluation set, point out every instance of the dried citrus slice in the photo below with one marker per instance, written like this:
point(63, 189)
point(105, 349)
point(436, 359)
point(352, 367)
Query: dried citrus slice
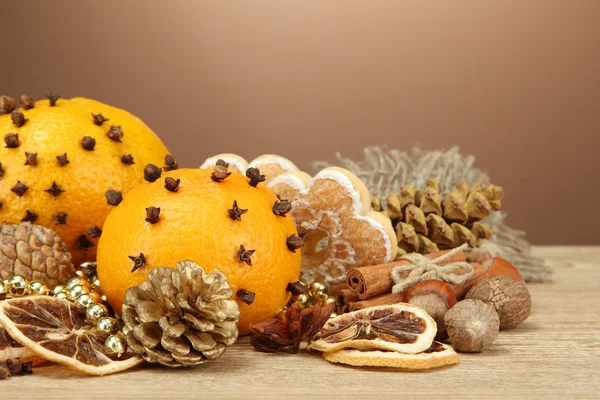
point(12, 350)
point(438, 355)
point(57, 330)
point(399, 327)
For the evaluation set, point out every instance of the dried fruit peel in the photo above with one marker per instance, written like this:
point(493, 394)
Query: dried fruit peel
point(400, 327)
point(392, 359)
point(58, 321)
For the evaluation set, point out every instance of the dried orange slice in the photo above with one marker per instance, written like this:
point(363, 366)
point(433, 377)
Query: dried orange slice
point(12, 350)
point(438, 355)
point(399, 327)
point(58, 331)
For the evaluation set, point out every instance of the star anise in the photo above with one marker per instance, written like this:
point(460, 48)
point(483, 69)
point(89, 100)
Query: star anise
point(297, 326)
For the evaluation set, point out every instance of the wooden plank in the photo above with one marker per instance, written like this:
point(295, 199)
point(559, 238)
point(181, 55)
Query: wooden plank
point(555, 354)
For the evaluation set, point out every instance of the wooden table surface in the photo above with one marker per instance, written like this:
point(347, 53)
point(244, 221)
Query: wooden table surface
point(555, 354)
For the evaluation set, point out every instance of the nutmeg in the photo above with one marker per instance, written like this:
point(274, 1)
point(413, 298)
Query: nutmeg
point(435, 297)
point(510, 298)
point(472, 325)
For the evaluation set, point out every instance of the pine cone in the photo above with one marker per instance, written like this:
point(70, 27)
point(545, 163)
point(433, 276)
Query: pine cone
point(425, 223)
point(35, 252)
point(181, 317)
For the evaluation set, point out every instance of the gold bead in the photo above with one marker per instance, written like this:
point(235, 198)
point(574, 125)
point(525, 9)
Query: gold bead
point(3, 288)
point(18, 286)
point(96, 282)
point(303, 299)
point(317, 287)
point(61, 295)
point(79, 273)
point(58, 289)
point(78, 281)
point(76, 291)
point(37, 287)
point(329, 300)
point(96, 297)
point(324, 296)
point(115, 344)
point(84, 300)
point(92, 279)
point(96, 311)
point(107, 325)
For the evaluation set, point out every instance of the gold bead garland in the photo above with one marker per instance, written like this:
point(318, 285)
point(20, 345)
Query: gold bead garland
point(84, 293)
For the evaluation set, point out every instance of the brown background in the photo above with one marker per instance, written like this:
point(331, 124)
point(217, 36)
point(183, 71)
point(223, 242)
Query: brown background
point(516, 83)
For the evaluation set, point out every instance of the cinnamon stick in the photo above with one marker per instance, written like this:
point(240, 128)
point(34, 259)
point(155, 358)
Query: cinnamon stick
point(388, 298)
point(346, 296)
point(371, 281)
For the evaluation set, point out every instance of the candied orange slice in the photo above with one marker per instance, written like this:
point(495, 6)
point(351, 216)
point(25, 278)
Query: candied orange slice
point(438, 355)
point(58, 331)
point(399, 327)
point(12, 350)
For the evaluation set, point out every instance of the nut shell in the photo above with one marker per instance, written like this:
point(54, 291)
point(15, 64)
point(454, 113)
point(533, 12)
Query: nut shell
point(472, 325)
point(510, 298)
point(35, 252)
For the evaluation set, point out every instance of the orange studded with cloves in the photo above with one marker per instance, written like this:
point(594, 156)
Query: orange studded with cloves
point(59, 157)
point(216, 218)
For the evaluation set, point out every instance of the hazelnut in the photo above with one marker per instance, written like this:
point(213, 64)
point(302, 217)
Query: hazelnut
point(435, 297)
point(510, 298)
point(472, 325)
point(501, 267)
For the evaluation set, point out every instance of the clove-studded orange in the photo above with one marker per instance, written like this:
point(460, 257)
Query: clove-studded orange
point(215, 218)
point(58, 157)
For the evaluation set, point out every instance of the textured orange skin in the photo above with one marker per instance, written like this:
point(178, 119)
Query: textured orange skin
point(53, 131)
point(195, 225)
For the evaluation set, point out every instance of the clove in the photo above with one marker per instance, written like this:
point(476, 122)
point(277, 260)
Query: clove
point(235, 212)
point(7, 105)
point(19, 189)
point(29, 217)
point(99, 119)
point(138, 262)
point(170, 163)
point(255, 176)
point(83, 243)
point(152, 172)
point(18, 118)
point(294, 242)
point(171, 184)
point(27, 102)
point(127, 159)
point(53, 98)
point(246, 296)
point(30, 159)
point(282, 207)
point(11, 140)
point(244, 255)
point(88, 143)
point(94, 232)
point(113, 197)
point(62, 160)
point(115, 133)
point(60, 219)
point(54, 190)
point(296, 288)
point(152, 214)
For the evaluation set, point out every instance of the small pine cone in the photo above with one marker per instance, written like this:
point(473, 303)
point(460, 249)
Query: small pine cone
point(181, 317)
point(35, 252)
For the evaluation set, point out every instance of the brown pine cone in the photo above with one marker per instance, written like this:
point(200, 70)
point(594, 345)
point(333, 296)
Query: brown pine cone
point(181, 317)
point(35, 252)
point(426, 222)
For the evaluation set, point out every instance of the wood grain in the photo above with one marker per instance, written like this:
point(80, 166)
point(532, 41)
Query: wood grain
point(555, 354)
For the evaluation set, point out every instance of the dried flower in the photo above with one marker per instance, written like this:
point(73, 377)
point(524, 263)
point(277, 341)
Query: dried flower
point(54, 190)
point(298, 325)
point(170, 163)
point(18, 118)
point(152, 214)
point(282, 207)
point(152, 172)
point(60, 219)
point(62, 160)
point(88, 143)
point(115, 133)
point(11, 140)
point(294, 243)
point(7, 104)
point(94, 232)
point(255, 176)
point(171, 184)
point(244, 255)
point(27, 102)
point(235, 212)
point(246, 296)
point(83, 243)
point(19, 189)
point(99, 119)
point(138, 262)
point(113, 197)
point(53, 98)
